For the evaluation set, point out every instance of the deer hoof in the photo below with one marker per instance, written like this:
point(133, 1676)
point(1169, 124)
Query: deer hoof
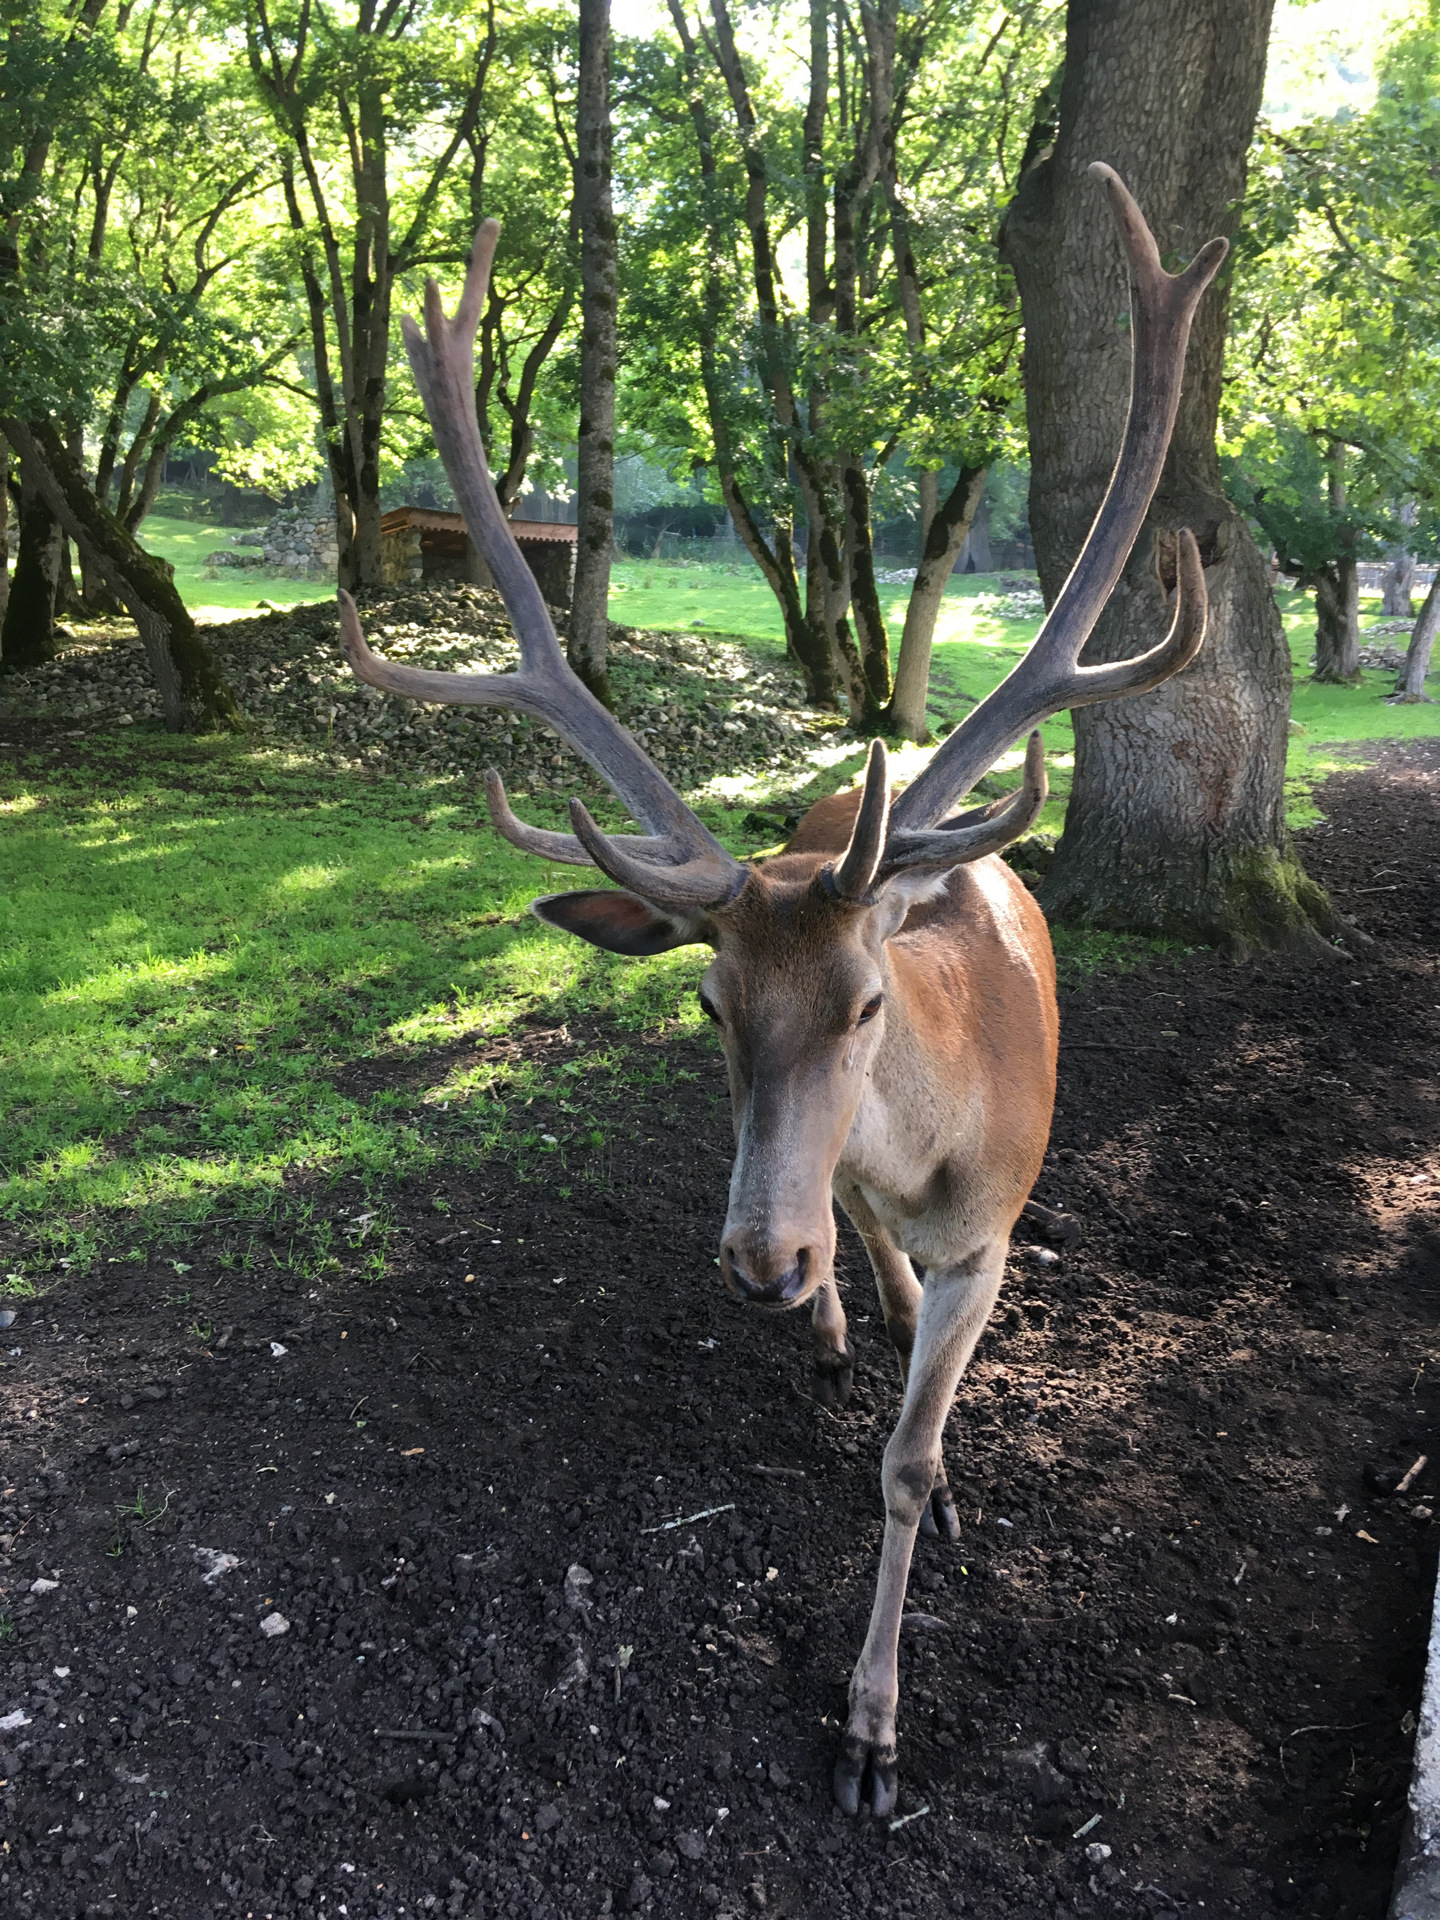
point(938, 1518)
point(834, 1375)
point(865, 1772)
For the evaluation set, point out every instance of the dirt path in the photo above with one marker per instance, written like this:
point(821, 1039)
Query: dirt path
point(1182, 1620)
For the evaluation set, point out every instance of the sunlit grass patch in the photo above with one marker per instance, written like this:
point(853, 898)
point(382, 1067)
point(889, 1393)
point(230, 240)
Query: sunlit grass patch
point(176, 1030)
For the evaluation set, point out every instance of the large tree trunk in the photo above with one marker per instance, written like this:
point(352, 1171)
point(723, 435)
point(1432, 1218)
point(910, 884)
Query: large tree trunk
point(1410, 687)
point(193, 695)
point(28, 636)
point(599, 281)
point(1176, 823)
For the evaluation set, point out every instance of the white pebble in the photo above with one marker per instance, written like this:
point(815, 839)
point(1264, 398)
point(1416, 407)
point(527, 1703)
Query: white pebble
point(273, 1625)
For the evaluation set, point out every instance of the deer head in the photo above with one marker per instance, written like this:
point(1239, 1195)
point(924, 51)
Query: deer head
point(802, 985)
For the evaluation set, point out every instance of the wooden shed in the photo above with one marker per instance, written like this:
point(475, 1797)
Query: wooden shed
point(419, 543)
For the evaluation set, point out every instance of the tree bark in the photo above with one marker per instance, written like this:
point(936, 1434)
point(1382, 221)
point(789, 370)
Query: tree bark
point(28, 636)
point(193, 695)
point(1410, 687)
point(599, 282)
point(1176, 822)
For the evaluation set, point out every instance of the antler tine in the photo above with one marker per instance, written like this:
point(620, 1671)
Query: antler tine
point(1050, 676)
point(980, 831)
point(443, 361)
point(854, 873)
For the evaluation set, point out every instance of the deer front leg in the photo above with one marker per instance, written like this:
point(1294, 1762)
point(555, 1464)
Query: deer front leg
point(955, 1305)
point(834, 1357)
point(900, 1296)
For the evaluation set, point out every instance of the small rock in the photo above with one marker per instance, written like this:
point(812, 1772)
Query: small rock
point(578, 1582)
point(1422, 1513)
point(663, 1864)
point(1041, 1256)
point(1032, 1773)
point(1072, 1758)
point(273, 1625)
point(44, 1586)
point(690, 1845)
point(12, 1722)
point(638, 1892)
point(547, 1817)
point(778, 1776)
point(182, 1673)
point(8, 1317)
point(1097, 1853)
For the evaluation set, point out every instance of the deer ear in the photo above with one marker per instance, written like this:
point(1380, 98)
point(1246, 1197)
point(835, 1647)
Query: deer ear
point(617, 921)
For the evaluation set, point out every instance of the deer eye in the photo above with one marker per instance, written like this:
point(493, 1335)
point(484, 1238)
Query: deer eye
point(709, 1009)
point(870, 1009)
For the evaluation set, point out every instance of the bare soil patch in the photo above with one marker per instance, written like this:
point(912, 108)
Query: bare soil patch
point(1186, 1622)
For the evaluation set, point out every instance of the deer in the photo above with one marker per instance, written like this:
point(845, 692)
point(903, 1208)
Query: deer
point(883, 987)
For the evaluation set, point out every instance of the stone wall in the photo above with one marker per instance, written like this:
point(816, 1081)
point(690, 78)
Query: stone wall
point(300, 544)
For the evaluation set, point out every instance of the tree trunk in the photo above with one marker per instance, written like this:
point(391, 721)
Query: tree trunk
point(1337, 623)
point(4, 532)
point(590, 606)
point(1176, 822)
point(193, 695)
point(28, 636)
point(947, 529)
point(1337, 588)
point(1397, 586)
point(1410, 687)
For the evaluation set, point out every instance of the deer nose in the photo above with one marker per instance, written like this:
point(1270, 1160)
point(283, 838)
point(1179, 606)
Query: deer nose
point(779, 1292)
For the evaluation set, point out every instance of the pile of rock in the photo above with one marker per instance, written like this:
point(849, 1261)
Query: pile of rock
point(300, 544)
point(701, 708)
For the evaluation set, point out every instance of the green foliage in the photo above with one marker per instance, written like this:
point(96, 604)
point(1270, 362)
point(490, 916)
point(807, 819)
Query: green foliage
point(1335, 325)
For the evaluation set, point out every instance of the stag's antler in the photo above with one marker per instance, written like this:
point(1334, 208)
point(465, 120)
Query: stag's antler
point(1050, 677)
point(680, 863)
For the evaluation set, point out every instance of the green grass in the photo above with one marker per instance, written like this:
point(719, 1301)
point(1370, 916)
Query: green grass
point(203, 943)
point(219, 590)
point(975, 649)
point(200, 941)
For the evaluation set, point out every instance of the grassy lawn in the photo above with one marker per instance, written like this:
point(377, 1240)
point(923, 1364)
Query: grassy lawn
point(201, 942)
point(213, 592)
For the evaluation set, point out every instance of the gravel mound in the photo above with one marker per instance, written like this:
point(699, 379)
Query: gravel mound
point(700, 706)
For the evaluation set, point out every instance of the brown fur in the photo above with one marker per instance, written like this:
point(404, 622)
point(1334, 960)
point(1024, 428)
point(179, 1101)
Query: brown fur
point(927, 1122)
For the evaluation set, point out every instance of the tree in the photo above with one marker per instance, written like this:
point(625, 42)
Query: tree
point(59, 313)
point(899, 344)
point(1176, 822)
point(599, 288)
point(371, 109)
point(1335, 376)
point(193, 695)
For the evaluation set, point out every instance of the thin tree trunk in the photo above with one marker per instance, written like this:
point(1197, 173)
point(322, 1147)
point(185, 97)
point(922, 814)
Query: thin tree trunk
point(1410, 687)
point(590, 607)
point(1176, 821)
point(1337, 623)
point(1337, 589)
point(1397, 586)
point(28, 636)
point(193, 695)
point(947, 530)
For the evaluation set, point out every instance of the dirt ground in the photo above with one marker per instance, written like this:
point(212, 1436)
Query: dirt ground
point(574, 1568)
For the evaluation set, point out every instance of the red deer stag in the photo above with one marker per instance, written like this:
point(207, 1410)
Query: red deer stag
point(884, 988)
